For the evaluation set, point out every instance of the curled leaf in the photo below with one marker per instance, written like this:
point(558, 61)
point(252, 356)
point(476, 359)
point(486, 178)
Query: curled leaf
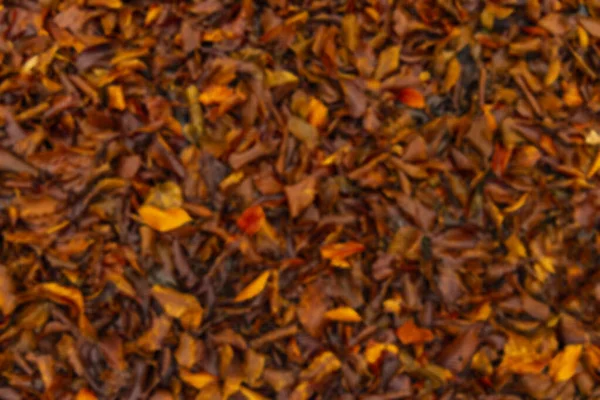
point(343, 314)
point(338, 252)
point(254, 288)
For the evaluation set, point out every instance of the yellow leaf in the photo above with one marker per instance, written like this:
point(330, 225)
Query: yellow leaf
point(584, 38)
point(182, 306)
point(564, 364)
point(452, 74)
point(250, 395)
point(322, 366)
point(374, 351)
point(553, 72)
point(279, 78)
point(254, 288)
point(232, 179)
point(116, 99)
point(164, 220)
point(388, 61)
point(592, 138)
point(515, 246)
point(105, 3)
point(594, 167)
point(528, 356)
point(197, 380)
point(517, 204)
point(165, 195)
point(343, 314)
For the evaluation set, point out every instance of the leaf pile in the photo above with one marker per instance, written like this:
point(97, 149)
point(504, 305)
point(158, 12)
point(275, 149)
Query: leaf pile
point(217, 199)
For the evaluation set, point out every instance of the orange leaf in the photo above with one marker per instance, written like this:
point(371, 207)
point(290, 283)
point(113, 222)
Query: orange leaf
point(317, 113)
point(216, 94)
point(85, 394)
point(338, 252)
point(182, 306)
point(343, 314)
point(411, 97)
point(254, 288)
point(564, 364)
point(251, 220)
point(164, 220)
point(197, 380)
point(409, 333)
point(8, 300)
point(116, 99)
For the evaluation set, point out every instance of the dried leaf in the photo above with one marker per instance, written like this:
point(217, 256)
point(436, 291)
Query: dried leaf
point(304, 131)
point(388, 62)
point(182, 306)
point(452, 74)
point(251, 220)
point(409, 333)
point(564, 364)
point(338, 252)
point(301, 195)
point(411, 97)
point(343, 314)
point(197, 380)
point(279, 78)
point(164, 220)
point(254, 288)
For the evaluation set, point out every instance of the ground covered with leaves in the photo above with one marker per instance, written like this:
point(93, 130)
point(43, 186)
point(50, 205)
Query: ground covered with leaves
point(281, 199)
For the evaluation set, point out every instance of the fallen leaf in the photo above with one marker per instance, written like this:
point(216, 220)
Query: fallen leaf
point(564, 365)
point(321, 366)
point(388, 61)
point(411, 97)
point(409, 333)
point(254, 288)
point(85, 394)
point(338, 252)
point(8, 300)
point(216, 94)
point(317, 113)
point(452, 74)
point(182, 306)
point(343, 314)
point(304, 131)
point(375, 350)
point(251, 395)
point(279, 78)
point(164, 220)
point(251, 220)
point(197, 380)
point(300, 195)
point(116, 99)
point(528, 356)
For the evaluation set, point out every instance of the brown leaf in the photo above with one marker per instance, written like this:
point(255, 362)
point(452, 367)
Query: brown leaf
point(182, 306)
point(304, 131)
point(301, 195)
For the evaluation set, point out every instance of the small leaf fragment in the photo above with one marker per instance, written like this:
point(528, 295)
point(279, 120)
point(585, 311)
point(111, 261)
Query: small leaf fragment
point(251, 220)
point(197, 380)
point(338, 252)
point(304, 131)
point(388, 62)
point(279, 78)
point(254, 288)
point(409, 333)
point(343, 314)
point(164, 220)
